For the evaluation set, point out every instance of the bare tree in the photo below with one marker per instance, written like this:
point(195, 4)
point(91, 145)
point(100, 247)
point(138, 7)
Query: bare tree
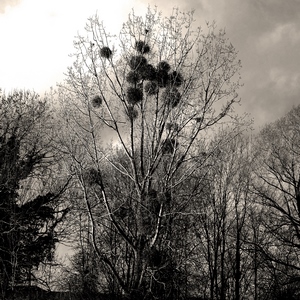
point(277, 188)
point(220, 217)
point(157, 89)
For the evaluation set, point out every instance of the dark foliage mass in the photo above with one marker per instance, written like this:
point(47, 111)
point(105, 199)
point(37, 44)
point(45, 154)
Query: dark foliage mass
point(163, 66)
point(96, 101)
point(162, 77)
point(137, 62)
point(172, 127)
point(105, 52)
point(142, 47)
point(134, 95)
point(175, 79)
point(27, 226)
point(132, 113)
point(133, 77)
point(148, 72)
point(168, 146)
point(151, 88)
point(91, 176)
point(171, 96)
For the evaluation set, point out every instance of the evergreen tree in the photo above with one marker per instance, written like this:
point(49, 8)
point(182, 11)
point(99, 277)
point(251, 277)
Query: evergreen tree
point(29, 212)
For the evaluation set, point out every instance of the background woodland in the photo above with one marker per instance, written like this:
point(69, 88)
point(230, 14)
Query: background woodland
point(139, 163)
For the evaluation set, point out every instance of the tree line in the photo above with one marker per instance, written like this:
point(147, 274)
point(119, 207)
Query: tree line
point(139, 160)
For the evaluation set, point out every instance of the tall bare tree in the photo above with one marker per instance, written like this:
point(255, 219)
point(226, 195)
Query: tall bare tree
point(277, 187)
point(157, 88)
point(220, 214)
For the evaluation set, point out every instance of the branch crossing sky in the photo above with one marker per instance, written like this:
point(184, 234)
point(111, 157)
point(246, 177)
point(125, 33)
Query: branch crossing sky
point(37, 37)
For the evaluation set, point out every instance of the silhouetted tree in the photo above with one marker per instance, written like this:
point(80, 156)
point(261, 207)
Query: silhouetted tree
point(155, 91)
point(277, 186)
point(30, 209)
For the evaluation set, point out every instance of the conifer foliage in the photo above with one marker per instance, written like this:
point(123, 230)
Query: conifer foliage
point(28, 214)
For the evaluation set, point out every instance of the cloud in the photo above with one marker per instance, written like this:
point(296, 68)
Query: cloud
point(4, 4)
point(37, 37)
point(284, 82)
point(279, 36)
point(277, 10)
point(270, 93)
point(267, 35)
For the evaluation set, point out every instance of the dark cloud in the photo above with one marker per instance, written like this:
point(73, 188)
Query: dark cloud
point(277, 10)
point(267, 35)
point(5, 3)
point(265, 32)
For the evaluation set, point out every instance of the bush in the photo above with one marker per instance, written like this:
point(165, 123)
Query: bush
point(105, 52)
point(133, 77)
point(147, 72)
point(134, 95)
point(142, 47)
point(132, 113)
point(96, 101)
point(163, 65)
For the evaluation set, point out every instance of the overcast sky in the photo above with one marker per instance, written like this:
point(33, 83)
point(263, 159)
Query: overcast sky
point(37, 36)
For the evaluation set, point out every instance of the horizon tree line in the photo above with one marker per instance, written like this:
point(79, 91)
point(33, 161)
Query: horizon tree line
point(189, 204)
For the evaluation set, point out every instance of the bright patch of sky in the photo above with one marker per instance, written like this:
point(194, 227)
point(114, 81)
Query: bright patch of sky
point(37, 37)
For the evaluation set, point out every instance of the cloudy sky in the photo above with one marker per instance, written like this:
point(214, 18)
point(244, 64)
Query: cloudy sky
point(37, 36)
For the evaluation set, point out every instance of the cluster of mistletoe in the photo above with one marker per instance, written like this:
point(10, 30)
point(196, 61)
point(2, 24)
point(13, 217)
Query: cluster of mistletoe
point(106, 53)
point(145, 79)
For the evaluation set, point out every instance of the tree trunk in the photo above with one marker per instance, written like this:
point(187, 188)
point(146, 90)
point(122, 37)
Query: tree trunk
point(237, 266)
point(138, 271)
